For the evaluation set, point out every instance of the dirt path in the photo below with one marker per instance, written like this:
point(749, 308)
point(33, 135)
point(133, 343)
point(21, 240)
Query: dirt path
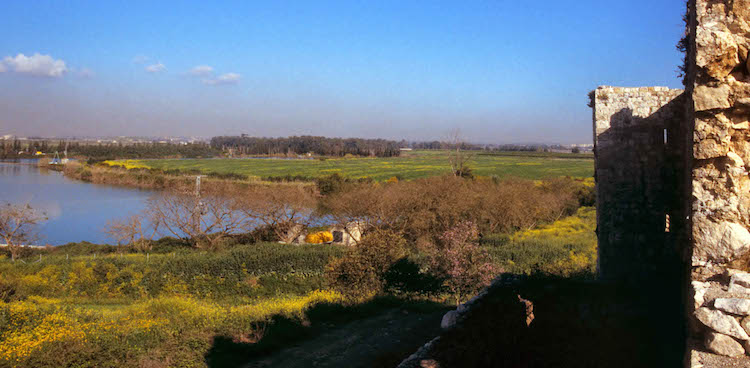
point(380, 341)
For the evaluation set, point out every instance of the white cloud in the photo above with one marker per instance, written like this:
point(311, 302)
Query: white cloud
point(2, 68)
point(140, 59)
point(37, 64)
point(155, 68)
point(202, 70)
point(228, 78)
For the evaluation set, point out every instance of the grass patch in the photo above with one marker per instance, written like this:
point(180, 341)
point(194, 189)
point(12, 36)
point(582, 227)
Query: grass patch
point(567, 247)
point(418, 164)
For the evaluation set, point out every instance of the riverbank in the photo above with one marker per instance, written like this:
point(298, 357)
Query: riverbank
point(155, 179)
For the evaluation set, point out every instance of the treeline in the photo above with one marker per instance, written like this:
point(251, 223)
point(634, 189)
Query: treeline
point(106, 151)
point(139, 150)
point(321, 146)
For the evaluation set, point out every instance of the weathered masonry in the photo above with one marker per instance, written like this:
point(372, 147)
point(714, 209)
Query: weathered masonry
point(636, 139)
point(673, 185)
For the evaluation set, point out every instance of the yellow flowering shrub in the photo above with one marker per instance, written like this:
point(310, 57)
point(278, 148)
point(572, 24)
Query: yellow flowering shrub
point(128, 164)
point(566, 247)
point(33, 329)
point(319, 237)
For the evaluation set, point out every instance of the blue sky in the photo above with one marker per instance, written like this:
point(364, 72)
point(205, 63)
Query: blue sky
point(501, 71)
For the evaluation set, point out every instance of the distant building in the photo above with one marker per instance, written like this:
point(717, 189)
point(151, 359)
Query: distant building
point(348, 235)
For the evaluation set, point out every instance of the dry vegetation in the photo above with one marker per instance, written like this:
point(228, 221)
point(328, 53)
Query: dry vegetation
point(425, 240)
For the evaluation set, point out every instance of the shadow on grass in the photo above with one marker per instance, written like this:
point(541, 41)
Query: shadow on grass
point(282, 332)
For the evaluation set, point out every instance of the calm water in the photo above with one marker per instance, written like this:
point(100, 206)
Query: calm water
point(77, 211)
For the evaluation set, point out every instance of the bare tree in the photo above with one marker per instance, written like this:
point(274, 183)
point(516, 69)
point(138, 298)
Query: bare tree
point(458, 158)
point(18, 226)
point(286, 209)
point(131, 231)
point(204, 219)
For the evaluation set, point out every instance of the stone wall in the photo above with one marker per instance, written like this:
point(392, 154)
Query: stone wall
point(720, 90)
point(673, 220)
point(637, 147)
point(718, 86)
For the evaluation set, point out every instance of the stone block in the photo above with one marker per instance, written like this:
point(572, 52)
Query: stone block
point(723, 345)
point(711, 98)
point(721, 322)
point(737, 306)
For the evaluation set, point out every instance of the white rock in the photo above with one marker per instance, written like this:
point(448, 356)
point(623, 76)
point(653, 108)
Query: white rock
point(449, 320)
point(719, 322)
point(737, 306)
point(736, 237)
point(740, 283)
point(721, 242)
point(735, 160)
point(699, 291)
point(723, 345)
point(695, 359)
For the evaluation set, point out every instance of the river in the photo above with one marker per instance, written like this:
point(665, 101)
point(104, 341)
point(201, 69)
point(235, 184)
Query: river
point(76, 211)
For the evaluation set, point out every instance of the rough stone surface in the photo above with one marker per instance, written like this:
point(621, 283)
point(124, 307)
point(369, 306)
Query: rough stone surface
point(740, 283)
point(745, 323)
point(736, 306)
point(709, 98)
point(687, 159)
point(723, 345)
point(449, 320)
point(635, 138)
point(721, 322)
point(719, 87)
point(722, 241)
point(699, 292)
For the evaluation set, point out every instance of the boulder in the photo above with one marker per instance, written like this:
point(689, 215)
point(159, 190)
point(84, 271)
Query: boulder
point(721, 322)
point(710, 98)
point(449, 320)
point(737, 306)
point(723, 345)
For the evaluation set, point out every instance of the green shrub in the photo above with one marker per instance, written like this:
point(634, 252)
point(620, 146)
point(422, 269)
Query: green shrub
point(362, 272)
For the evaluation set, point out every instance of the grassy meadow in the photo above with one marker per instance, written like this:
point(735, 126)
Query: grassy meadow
point(410, 165)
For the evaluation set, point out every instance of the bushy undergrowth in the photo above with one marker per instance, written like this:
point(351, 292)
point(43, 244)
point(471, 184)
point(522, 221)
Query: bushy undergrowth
point(164, 331)
point(567, 247)
point(243, 271)
point(88, 305)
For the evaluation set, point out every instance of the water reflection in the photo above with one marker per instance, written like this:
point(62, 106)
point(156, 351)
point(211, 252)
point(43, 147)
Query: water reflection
point(77, 211)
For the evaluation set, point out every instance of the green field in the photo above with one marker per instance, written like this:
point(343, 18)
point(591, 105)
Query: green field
point(411, 165)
